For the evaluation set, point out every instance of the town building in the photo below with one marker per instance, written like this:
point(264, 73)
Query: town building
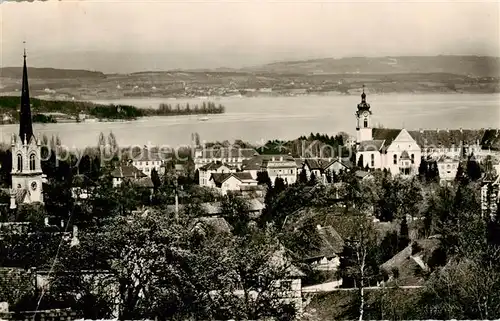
point(146, 160)
point(490, 195)
point(206, 171)
point(228, 155)
point(130, 173)
point(447, 168)
point(27, 174)
point(283, 166)
point(231, 182)
point(323, 167)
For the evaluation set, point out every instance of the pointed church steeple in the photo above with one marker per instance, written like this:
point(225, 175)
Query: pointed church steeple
point(25, 125)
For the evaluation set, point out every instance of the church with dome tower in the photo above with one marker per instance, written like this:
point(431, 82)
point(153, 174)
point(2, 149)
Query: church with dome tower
point(27, 175)
point(380, 148)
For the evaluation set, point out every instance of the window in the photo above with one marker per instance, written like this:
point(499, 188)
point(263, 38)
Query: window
point(146, 163)
point(286, 285)
point(373, 160)
point(412, 158)
point(19, 163)
point(395, 158)
point(366, 123)
point(32, 162)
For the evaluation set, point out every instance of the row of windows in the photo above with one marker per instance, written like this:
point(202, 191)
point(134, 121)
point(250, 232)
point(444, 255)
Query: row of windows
point(32, 162)
point(395, 159)
point(147, 163)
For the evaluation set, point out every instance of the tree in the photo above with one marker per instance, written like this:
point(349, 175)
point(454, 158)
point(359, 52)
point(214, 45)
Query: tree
point(360, 161)
point(312, 179)
point(357, 260)
point(156, 179)
point(263, 178)
point(279, 185)
point(473, 169)
point(303, 176)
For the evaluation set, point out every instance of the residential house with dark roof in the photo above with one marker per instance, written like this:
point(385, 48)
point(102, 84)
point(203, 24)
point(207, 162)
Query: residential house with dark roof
point(206, 171)
point(233, 156)
point(128, 172)
point(326, 255)
point(321, 167)
point(226, 182)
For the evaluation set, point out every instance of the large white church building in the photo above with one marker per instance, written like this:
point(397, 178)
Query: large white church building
point(27, 175)
point(379, 148)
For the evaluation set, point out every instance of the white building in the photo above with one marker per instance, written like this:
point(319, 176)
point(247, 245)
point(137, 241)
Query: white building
point(206, 171)
point(127, 172)
point(226, 182)
point(229, 155)
point(447, 168)
point(379, 148)
point(147, 160)
point(283, 166)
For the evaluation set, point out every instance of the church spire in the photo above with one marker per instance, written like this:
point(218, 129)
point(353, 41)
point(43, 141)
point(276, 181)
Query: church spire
point(25, 126)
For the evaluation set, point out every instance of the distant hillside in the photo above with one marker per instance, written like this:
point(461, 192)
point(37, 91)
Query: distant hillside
point(476, 66)
point(49, 73)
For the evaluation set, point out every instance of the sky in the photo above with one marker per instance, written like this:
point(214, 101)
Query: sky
point(134, 35)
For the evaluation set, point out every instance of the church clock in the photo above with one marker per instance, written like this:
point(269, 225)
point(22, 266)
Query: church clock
point(33, 186)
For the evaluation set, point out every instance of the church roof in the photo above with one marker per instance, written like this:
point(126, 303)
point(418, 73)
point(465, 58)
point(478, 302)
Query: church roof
point(25, 125)
point(371, 145)
point(387, 134)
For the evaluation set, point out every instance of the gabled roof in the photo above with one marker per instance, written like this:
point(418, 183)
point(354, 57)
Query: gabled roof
point(127, 171)
point(220, 178)
point(215, 166)
point(331, 243)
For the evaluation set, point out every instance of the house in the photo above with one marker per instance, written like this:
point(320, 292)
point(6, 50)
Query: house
point(490, 195)
point(404, 267)
point(230, 155)
point(128, 172)
point(206, 171)
point(283, 166)
point(326, 256)
point(447, 167)
point(226, 182)
point(146, 160)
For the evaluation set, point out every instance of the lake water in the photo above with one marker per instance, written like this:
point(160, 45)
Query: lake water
point(263, 118)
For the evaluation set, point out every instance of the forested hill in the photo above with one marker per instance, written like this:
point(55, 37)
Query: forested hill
point(477, 66)
point(49, 73)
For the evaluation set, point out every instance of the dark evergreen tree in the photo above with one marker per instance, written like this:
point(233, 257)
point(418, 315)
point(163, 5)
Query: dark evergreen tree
point(279, 185)
point(303, 176)
point(404, 235)
point(263, 178)
point(473, 169)
point(312, 179)
point(422, 169)
point(156, 179)
point(360, 161)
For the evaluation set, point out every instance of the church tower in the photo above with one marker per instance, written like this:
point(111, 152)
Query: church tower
point(26, 151)
point(364, 121)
